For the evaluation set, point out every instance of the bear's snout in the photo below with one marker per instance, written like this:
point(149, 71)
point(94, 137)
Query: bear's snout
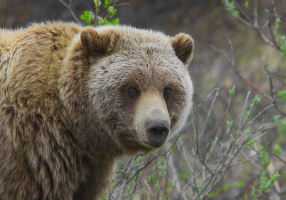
point(157, 131)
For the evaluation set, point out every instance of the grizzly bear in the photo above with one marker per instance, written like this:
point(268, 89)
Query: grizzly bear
point(74, 99)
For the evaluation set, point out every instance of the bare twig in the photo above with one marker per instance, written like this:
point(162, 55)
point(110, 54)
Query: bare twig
point(174, 171)
point(122, 4)
point(71, 11)
point(150, 190)
point(255, 14)
point(212, 104)
point(95, 14)
point(272, 90)
point(239, 74)
point(249, 21)
point(244, 109)
point(270, 29)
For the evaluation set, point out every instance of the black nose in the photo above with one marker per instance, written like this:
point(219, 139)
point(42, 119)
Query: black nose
point(157, 131)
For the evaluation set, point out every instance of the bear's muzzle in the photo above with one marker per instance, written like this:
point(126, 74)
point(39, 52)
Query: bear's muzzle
point(157, 131)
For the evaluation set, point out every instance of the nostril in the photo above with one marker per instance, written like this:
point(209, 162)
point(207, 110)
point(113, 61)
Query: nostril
point(153, 130)
point(157, 131)
point(165, 131)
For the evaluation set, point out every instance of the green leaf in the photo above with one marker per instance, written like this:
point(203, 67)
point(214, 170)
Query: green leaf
point(265, 159)
point(277, 23)
point(231, 6)
point(97, 3)
point(235, 13)
point(283, 45)
point(135, 180)
point(282, 94)
point(232, 91)
point(158, 163)
point(115, 22)
point(138, 160)
point(165, 172)
point(221, 145)
point(229, 123)
point(246, 117)
point(151, 177)
point(209, 145)
point(238, 185)
point(278, 149)
point(255, 101)
point(238, 133)
point(276, 119)
point(104, 21)
point(107, 3)
point(157, 185)
point(100, 20)
point(182, 176)
point(251, 142)
point(111, 11)
point(88, 17)
point(253, 191)
point(119, 164)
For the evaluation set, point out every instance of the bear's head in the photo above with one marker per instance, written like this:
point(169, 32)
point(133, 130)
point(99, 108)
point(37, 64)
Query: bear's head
point(138, 85)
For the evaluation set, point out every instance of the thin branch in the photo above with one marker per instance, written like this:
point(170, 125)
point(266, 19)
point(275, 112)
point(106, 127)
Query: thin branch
point(270, 29)
point(249, 21)
point(272, 90)
point(244, 109)
point(185, 155)
point(255, 14)
point(106, 14)
point(174, 174)
point(150, 160)
point(238, 73)
point(212, 104)
point(122, 4)
point(274, 155)
point(94, 13)
point(71, 11)
point(150, 190)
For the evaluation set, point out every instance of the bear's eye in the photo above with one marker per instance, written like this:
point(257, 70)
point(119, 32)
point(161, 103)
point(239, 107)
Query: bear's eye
point(167, 92)
point(133, 92)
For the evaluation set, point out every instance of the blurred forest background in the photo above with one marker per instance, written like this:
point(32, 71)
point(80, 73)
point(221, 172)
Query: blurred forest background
point(235, 144)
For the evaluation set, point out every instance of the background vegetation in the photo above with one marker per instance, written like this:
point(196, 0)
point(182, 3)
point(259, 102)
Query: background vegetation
point(234, 144)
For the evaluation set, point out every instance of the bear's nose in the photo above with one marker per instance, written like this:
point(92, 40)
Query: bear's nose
point(157, 132)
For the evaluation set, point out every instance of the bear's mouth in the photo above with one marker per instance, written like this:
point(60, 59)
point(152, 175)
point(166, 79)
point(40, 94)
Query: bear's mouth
point(152, 146)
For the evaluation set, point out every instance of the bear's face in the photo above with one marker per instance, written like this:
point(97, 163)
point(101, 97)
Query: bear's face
point(138, 84)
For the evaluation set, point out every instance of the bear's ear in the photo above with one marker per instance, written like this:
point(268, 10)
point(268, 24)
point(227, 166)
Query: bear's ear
point(183, 45)
point(97, 44)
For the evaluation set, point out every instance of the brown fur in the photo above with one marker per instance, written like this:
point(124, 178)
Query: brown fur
point(65, 116)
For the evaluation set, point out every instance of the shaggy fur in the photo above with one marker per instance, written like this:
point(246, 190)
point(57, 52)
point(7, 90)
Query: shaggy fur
point(65, 115)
